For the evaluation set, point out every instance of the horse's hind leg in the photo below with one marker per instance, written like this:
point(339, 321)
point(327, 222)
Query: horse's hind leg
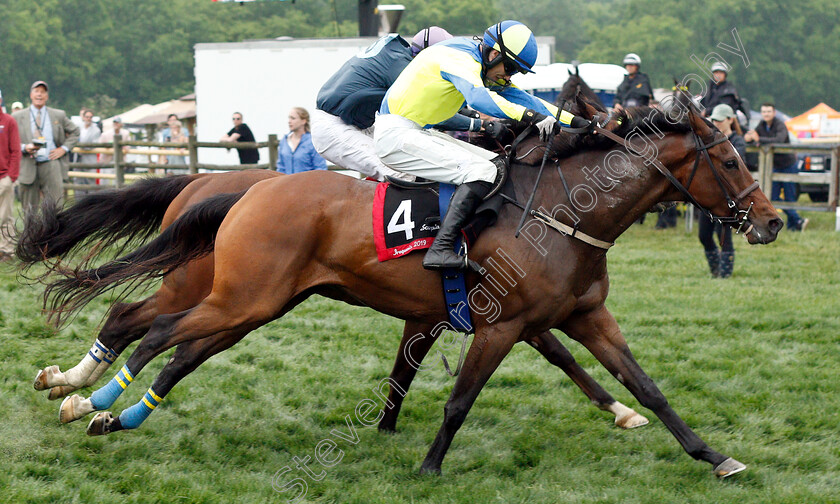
point(557, 354)
point(181, 289)
point(231, 312)
point(600, 334)
point(187, 357)
point(415, 344)
point(126, 323)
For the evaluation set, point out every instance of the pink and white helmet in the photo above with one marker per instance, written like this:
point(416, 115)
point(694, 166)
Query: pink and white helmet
point(428, 37)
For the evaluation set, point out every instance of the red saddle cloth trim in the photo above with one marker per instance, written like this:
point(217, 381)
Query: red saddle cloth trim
point(383, 253)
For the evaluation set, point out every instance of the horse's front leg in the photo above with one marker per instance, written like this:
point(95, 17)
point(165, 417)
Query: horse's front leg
point(598, 331)
point(490, 346)
point(555, 353)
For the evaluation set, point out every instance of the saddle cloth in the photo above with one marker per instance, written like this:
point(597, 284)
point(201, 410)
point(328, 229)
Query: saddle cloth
point(407, 219)
point(404, 220)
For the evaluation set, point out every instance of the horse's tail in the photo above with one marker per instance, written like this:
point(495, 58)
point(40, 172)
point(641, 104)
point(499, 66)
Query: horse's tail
point(132, 213)
point(190, 237)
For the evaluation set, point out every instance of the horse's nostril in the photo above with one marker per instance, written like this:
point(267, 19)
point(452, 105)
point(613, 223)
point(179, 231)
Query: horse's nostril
point(775, 225)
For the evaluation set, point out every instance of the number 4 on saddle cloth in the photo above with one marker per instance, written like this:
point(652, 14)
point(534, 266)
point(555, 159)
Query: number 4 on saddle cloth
point(406, 219)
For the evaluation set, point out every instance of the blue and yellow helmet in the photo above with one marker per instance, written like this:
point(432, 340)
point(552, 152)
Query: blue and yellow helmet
point(515, 43)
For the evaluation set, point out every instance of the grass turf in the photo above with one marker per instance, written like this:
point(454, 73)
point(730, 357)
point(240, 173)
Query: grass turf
point(751, 363)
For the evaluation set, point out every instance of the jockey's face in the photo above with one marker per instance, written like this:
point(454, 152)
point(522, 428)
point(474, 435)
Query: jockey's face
point(497, 73)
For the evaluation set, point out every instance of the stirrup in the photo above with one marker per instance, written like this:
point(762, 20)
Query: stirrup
point(501, 177)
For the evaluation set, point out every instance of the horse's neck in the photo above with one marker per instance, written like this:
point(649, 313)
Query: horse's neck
point(620, 196)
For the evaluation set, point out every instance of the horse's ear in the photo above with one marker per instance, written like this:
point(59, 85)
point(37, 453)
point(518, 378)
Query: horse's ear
point(591, 110)
point(570, 72)
point(698, 124)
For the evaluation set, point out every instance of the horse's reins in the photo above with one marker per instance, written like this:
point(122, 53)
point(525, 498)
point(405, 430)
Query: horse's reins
point(740, 217)
point(548, 220)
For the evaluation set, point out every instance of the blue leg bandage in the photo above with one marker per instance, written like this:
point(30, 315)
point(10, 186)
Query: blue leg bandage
point(105, 397)
point(134, 416)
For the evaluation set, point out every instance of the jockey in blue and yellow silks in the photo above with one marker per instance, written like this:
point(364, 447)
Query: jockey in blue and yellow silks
point(431, 90)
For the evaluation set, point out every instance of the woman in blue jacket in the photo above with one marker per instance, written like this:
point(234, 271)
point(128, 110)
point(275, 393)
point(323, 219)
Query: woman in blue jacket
point(296, 153)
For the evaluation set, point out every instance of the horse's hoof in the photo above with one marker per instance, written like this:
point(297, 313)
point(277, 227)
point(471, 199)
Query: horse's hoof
point(631, 420)
point(387, 429)
point(100, 424)
point(73, 408)
point(430, 470)
point(42, 381)
point(60, 391)
point(728, 467)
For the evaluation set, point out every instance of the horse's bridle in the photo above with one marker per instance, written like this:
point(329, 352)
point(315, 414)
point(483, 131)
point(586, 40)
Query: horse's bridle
point(739, 217)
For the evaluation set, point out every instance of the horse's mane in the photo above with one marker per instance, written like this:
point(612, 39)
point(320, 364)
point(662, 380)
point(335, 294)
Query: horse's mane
point(645, 120)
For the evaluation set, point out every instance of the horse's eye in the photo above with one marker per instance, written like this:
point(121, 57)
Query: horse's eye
point(731, 164)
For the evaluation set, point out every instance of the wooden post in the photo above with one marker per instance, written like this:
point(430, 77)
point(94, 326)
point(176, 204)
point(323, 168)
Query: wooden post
point(193, 150)
point(834, 180)
point(768, 171)
point(272, 151)
point(150, 136)
point(119, 170)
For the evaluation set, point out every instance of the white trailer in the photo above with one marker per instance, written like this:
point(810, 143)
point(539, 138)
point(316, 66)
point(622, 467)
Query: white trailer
point(264, 79)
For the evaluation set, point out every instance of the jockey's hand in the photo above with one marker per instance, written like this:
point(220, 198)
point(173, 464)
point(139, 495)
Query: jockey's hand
point(493, 129)
point(545, 124)
point(581, 123)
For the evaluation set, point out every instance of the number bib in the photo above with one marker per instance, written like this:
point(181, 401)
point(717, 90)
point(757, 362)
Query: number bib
point(404, 220)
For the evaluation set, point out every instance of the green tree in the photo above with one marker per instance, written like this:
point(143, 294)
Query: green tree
point(456, 16)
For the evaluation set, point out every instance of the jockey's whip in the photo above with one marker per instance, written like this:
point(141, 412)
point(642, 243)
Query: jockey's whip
point(527, 211)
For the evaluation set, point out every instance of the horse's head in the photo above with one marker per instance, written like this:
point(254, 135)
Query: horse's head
point(575, 88)
point(719, 181)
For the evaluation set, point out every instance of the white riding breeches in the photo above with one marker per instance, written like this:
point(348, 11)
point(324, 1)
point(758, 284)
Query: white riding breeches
point(347, 146)
point(408, 148)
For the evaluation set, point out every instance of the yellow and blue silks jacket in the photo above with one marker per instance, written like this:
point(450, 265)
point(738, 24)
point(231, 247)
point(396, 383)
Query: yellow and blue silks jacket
point(448, 75)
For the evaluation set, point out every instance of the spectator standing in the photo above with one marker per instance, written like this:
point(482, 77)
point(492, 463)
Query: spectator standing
point(176, 135)
point(720, 90)
point(16, 106)
point(296, 153)
point(88, 133)
point(166, 133)
point(110, 135)
point(634, 90)
point(771, 130)
point(722, 262)
point(78, 121)
point(242, 133)
point(10, 154)
point(46, 136)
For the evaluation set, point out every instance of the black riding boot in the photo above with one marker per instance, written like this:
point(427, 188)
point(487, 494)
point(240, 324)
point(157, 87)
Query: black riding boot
point(727, 263)
point(713, 256)
point(466, 199)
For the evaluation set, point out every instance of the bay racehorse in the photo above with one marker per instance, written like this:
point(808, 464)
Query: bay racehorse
point(131, 214)
point(107, 216)
point(272, 252)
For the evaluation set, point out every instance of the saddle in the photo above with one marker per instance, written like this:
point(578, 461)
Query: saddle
point(407, 216)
